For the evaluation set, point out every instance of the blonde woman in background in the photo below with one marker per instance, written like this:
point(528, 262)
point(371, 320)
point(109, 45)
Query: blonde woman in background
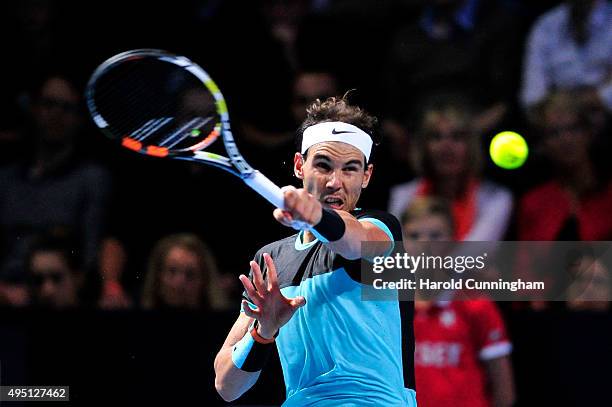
point(448, 158)
point(182, 274)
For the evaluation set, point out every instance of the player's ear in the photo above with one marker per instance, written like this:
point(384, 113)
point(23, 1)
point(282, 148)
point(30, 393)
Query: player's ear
point(367, 174)
point(298, 165)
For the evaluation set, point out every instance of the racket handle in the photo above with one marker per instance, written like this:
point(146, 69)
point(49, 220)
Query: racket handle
point(266, 188)
point(269, 190)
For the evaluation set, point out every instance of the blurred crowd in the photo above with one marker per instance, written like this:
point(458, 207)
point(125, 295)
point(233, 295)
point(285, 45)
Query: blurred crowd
point(85, 224)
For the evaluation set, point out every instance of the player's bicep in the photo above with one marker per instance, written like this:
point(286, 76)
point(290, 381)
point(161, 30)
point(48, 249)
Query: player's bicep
point(377, 231)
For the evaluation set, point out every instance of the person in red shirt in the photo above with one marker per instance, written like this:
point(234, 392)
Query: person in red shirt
point(462, 349)
point(575, 203)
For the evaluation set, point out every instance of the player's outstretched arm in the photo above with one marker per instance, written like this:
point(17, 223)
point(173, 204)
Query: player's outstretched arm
point(242, 356)
point(342, 230)
point(230, 381)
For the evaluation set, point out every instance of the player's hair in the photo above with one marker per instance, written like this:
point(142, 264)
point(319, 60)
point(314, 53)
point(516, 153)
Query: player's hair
point(212, 296)
point(339, 109)
point(423, 206)
point(460, 111)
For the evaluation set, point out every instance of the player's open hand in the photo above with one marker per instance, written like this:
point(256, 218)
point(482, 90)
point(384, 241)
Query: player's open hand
point(300, 208)
point(273, 309)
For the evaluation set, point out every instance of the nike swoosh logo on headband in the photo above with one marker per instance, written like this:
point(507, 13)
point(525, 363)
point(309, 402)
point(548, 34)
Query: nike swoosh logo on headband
point(334, 131)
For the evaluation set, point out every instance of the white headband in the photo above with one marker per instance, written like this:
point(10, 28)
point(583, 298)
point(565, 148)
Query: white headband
point(337, 131)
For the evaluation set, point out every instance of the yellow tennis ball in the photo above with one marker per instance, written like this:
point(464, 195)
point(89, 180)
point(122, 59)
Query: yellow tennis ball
point(508, 150)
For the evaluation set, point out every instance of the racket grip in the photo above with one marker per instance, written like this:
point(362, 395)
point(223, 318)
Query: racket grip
point(266, 188)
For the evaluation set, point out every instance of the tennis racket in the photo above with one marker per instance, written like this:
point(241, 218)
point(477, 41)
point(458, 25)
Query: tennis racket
point(164, 105)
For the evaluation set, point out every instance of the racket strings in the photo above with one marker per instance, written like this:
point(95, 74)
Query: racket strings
point(155, 106)
point(112, 90)
point(180, 134)
point(149, 128)
point(124, 120)
point(168, 120)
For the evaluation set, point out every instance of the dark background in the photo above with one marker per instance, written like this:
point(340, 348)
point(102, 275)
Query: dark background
point(167, 357)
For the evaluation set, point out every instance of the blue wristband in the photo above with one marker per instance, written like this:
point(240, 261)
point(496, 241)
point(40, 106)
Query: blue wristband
point(250, 355)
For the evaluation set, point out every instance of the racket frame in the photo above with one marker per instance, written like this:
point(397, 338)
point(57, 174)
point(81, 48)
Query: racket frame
point(234, 163)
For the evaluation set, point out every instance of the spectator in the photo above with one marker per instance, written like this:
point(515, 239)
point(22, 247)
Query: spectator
point(569, 49)
point(112, 262)
point(55, 186)
point(575, 203)
point(183, 274)
point(56, 274)
point(462, 351)
point(448, 157)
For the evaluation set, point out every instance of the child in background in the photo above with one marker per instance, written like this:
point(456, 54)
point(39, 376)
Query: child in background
point(462, 350)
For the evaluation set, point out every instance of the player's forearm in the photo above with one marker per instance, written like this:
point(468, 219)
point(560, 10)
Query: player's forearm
point(349, 245)
point(230, 381)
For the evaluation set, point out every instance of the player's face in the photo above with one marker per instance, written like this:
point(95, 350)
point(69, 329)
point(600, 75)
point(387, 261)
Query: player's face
point(334, 173)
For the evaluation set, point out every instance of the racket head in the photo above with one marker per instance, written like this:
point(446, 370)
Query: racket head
point(157, 103)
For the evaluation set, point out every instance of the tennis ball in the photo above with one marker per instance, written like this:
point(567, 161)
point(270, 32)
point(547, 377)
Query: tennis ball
point(508, 150)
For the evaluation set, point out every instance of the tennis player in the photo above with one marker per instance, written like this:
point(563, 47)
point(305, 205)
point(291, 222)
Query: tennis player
point(304, 292)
